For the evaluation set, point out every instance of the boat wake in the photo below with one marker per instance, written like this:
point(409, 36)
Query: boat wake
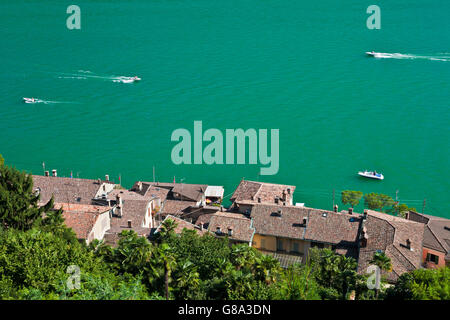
point(83, 74)
point(385, 55)
point(30, 100)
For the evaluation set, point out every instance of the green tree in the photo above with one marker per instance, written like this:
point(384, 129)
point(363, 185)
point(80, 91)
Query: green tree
point(351, 198)
point(422, 284)
point(381, 260)
point(377, 201)
point(400, 209)
point(336, 274)
point(19, 207)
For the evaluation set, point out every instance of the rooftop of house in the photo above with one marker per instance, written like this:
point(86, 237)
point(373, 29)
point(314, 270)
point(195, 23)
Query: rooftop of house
point(152, 189)
point(261, 191)
point(176, 207)
point(81, 217)
point(321, 225)
point(239, 225)
point(399, 238)
point(192, 192)
point(182, 224)
point(67, 190)
point(133, 210)
point(437, 232)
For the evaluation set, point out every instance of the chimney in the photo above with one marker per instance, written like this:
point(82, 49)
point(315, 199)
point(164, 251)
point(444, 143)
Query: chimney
point(335, 208)
point(54, 174)
point(46, 173)
point(276, 200)
point(129, 224)
point(201, 226)
point(139, 185)
point(221, 208)
point(289, 190)
point(119, 204)
point(365, 214)
point(304, 221)
point(259, 199)
point(107, 177)
point(408, 244)
point(350, 210)
point(364, 237)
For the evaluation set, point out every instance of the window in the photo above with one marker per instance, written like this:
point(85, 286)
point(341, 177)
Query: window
point(279, 245)
point(230, 232)
point(317, 245)
point(263, 243)
point(433, 258)
point(218, 230)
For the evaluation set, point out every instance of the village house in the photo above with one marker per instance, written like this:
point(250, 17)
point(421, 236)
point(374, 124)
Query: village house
point(249, 192)
point(188, 201)
point(436, 242)
point(237, 227)
point(131, 211)
point(71, 190)
point(288, 232)
point(89, 222)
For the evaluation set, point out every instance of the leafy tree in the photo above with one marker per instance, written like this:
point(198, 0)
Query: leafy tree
point(297, 283)
point(422, 284)
point(19, 207)
point(400, 209)
point(206, 251)
point(336, 274)
point(381, 260)
point(351, 198)
point(377, 201)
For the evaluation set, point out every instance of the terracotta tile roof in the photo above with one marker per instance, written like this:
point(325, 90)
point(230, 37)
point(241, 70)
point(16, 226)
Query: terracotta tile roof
point(176, 207)
point(267, 192)
point(182, 224)
point(81, 217)
point(67, 190)
point(240, 225)
point(437, 232)
point(321, 225)
point(152, 189)
point(192, 192)
point(133, 210)
point(389, 234)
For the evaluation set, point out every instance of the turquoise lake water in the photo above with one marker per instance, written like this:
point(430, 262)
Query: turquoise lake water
point(297, 66)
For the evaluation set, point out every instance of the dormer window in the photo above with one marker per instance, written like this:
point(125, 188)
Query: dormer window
point(218, 230)
point(230, 232)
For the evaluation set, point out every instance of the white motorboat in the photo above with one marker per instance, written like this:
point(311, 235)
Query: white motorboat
point(30, 100)
point(371, 175)
point(371, 54)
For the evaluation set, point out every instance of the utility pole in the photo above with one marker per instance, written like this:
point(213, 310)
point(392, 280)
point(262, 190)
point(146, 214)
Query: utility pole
point(153, 174)
point(333, 199)
point(424, 203)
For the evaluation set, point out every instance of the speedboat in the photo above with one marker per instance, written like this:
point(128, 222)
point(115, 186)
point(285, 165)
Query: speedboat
point(371, 174)
point(29, 100)
point(371, 54)
point(136, 78)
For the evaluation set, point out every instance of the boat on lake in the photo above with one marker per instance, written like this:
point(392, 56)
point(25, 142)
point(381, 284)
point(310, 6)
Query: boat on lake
point(371, 175)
